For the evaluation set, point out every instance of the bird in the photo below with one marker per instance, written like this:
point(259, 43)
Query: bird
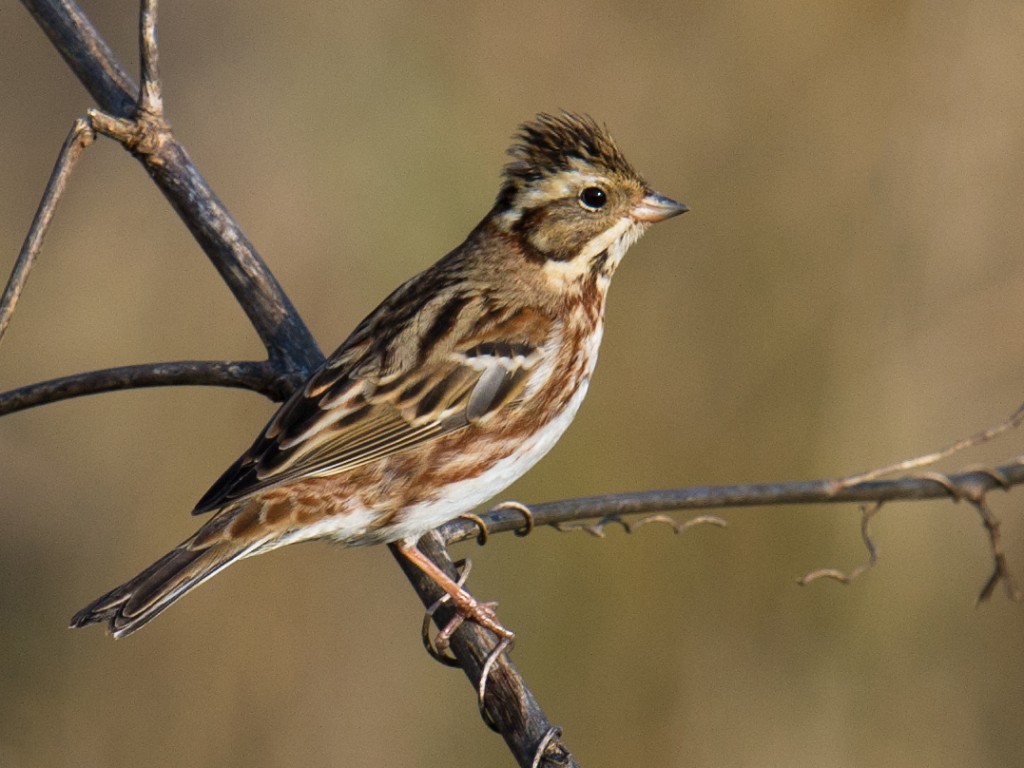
point(451, 389)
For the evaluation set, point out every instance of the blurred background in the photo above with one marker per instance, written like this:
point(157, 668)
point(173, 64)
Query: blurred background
point(845, 293)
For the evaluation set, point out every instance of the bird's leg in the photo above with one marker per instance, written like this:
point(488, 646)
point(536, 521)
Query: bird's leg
point(467, 605)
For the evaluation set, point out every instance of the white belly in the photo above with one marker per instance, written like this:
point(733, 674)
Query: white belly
point(466, 495)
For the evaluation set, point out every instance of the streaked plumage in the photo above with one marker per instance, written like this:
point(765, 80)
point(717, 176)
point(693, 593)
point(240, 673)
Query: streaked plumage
point(458, 383)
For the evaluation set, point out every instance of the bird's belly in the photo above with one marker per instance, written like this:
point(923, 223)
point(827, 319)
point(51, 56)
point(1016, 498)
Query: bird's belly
point(467, 487)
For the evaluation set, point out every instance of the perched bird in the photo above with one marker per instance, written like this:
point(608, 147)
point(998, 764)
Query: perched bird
point(451, 389)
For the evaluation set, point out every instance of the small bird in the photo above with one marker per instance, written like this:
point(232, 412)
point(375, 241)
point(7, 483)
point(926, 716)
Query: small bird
point(450, 390)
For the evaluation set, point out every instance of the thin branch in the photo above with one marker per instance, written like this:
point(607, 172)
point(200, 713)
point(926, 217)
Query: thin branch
point(150, 100)
point(1000, 570)
point(289, 343)
point(80, 136)
point(972, 486)
point(1013, 422)
point(508, 703)
point(86, 53)
point(503, 518)
point(258, 376)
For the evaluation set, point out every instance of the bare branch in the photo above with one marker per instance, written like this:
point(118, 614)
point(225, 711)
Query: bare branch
point(1000, 571)
point(80, 136)
point(289, 343)
point(563, 515)
point(260, 377)
point(88, 55)
point(503, 518)
point(508, 702)
point(930, 458)
point(150, 101)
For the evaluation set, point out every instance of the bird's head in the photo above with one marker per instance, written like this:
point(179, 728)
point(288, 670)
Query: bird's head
point(571, 198)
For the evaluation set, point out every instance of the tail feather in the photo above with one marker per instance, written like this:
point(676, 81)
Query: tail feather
point(135, 603)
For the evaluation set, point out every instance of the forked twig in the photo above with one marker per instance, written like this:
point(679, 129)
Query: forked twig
point(972, 492)
point(133, 116)
point(1000, 570)
point(975, 495)
point(140, 128)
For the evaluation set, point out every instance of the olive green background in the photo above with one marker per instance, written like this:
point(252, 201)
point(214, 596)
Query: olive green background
point(846, 292)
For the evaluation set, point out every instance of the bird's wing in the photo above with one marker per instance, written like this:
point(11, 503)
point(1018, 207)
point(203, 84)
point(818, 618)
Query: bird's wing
point(348, 415)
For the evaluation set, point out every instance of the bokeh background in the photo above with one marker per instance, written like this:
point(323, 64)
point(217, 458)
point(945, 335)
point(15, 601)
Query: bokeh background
point(845, 293)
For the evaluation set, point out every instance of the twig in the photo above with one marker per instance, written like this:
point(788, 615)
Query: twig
point(1015, 420)
point(86, 53)
point(259, 377)
point(970, 485)
point(500, 520)
point(508, 704)
point(79, 137)
point(1000, 571)
point(631, 526)
point(289, 344)
point(150, 101)
point(866, 515)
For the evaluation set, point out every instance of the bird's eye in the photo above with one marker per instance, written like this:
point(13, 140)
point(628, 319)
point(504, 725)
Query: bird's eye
point(593, 198)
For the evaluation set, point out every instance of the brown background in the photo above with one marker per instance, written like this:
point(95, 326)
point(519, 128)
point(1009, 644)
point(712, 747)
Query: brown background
point(845, 293)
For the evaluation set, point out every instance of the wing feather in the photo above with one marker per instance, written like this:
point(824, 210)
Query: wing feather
point(349, 414)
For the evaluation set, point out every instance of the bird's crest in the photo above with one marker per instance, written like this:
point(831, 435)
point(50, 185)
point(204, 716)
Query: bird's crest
point(553, 143)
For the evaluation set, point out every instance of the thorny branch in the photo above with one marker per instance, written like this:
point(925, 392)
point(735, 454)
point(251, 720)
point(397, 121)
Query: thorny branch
point(140, 126)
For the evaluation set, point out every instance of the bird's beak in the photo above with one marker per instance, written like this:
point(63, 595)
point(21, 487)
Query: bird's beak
point(655, 207)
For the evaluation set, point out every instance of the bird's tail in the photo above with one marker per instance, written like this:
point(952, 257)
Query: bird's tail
point(136, 602)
